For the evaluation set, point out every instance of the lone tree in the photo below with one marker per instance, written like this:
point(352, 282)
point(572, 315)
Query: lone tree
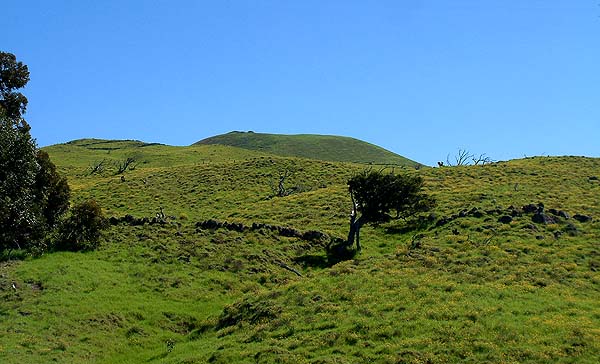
point(34, 197)
point(379, 197)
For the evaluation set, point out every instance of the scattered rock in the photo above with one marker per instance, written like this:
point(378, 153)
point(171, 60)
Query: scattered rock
point(313, 235)
point(582, 218)
point(542, 218)
point(564, 215)
point(529, 208)
point(289, 232)
point(531, 227)
point(512, 211)
point(209, 224)
point(539, 237)
point(593, 178)
point(234, 226)
point(495, 211)
point(442, 221)
point(571, 229)
point(540, 208)
point(478, 214)
point(505, 219)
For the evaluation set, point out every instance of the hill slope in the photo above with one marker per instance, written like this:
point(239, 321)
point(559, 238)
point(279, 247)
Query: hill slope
point(463, 287)
point(323, 147)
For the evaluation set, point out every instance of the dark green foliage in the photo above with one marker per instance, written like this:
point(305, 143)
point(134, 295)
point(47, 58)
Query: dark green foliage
point(52, 190)
point(380, 197)
point(13, 75)
point(32, 194)
point(81, 230)
point(19, 220)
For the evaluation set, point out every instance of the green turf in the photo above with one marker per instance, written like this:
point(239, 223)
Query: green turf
point(323, 147)
point(472, 290)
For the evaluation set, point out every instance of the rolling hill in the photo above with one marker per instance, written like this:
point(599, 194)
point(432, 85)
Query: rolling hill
point(323, 147)
point(236, 275)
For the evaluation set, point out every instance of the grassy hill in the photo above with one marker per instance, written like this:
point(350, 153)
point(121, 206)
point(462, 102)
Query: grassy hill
point(323, 147)
point(460, 286)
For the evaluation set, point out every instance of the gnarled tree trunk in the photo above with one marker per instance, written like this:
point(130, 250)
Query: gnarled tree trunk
point(355, 225)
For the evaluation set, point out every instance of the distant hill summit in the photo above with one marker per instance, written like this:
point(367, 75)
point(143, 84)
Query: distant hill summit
point(322, 147)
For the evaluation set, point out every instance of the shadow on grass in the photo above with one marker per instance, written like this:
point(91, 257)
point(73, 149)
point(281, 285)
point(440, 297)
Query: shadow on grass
point(313, 261)
point(409, 226)
point(337, 251)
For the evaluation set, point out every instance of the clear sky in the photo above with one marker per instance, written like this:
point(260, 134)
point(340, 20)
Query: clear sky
point(423, 78)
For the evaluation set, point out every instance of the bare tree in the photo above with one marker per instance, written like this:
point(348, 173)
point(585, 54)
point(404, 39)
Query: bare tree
point(279, 189)
point(97, 167)
point(482, 159)
point(460, 159)
point(123, 165)
point(465, 158)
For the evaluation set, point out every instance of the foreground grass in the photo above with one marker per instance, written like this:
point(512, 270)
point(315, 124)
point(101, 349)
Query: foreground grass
point(470, 290)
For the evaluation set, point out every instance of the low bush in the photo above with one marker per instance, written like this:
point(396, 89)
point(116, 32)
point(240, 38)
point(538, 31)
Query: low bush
point(81, 230)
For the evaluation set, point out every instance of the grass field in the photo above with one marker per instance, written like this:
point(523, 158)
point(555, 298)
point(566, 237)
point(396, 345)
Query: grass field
point(456, 286)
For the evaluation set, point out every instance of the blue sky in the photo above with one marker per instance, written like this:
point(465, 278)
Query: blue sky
point(509, 78)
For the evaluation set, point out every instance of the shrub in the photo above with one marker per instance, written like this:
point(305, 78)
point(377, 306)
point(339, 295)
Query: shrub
point(81, 230)
point(51, 190)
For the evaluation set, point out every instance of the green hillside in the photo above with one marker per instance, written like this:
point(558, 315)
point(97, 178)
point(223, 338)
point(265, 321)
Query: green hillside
point(461, 285)
point(323, 147)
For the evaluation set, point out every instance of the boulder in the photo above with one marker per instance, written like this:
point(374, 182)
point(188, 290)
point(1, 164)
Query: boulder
point(313, 235)
point(540, 208)
point(529, 208)
point(512, 211)
point(582, 218)
point(442, 221)
point(209, 224)
point(542, 218)
point(476, 213)
point(505, 219)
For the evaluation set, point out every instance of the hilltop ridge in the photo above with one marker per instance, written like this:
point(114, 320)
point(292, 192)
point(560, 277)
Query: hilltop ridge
point(313, 146)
